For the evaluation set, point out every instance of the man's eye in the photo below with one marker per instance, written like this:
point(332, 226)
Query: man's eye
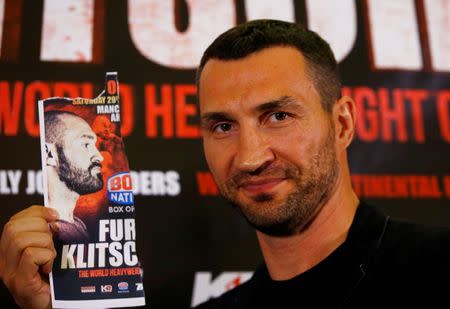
point(278, 116)
point(222, 127)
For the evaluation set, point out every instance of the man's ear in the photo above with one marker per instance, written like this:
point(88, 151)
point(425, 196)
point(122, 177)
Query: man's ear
point(50, 152)
point(344, 116)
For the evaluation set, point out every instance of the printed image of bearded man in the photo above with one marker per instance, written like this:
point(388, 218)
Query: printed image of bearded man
point(73, 165)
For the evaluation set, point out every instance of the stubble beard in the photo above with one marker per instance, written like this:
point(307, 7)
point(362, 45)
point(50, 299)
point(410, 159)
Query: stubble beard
point(313, 186)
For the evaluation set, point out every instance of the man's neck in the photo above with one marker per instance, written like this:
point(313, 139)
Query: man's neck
point(287, 257)
point(61, 197)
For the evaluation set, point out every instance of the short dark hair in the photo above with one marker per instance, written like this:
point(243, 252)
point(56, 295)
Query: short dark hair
point(253, 36)
point(55, 125)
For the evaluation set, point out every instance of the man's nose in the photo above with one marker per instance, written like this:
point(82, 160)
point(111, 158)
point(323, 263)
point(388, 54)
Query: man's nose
point(254, 150)
point(97, 156)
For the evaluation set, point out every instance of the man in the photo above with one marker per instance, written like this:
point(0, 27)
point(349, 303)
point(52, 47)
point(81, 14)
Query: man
point(275, 132)
point(73, 169)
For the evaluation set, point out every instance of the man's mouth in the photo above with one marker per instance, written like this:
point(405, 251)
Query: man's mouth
point(95, 168)
point(258, 186)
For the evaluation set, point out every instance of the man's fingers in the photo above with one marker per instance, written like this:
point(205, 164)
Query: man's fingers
point(47, 213)
point(23, 224)
point(15, 238)
point(29, 288)
point(31, 260)
point(17, 246)
point(47, 267)
point(26, 246)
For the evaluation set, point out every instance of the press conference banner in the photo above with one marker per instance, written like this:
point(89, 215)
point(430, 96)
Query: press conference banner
point(394, 60)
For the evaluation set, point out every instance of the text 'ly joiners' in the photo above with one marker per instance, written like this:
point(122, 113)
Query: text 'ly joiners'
point(145, 183)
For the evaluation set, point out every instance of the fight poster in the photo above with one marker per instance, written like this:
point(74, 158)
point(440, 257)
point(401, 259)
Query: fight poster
point(87, 180)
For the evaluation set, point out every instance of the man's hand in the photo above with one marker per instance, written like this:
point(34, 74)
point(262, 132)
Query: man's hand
point(26, 256)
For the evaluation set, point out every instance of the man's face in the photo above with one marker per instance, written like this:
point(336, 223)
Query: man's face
point(79, 159)
point(267, 140)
